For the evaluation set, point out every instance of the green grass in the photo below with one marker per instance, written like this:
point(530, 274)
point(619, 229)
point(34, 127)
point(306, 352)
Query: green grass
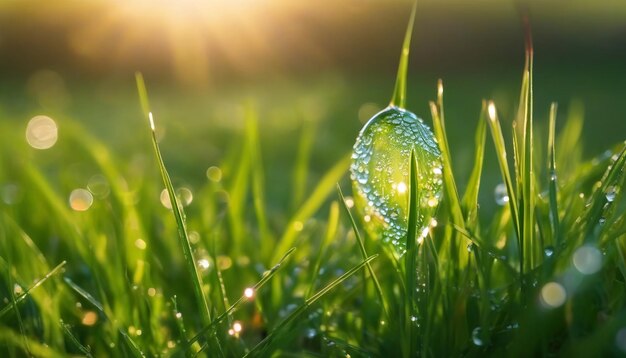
point(543, 274)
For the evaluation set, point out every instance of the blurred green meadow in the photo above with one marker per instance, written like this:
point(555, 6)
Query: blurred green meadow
point(257, 106)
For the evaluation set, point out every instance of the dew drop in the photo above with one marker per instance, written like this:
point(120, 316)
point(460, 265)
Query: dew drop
point(380, 173)
point(501, 195)
point(548, 251)
point(477, 338)
point(611, 193)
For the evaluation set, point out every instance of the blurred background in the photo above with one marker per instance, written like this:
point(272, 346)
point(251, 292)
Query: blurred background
point(319, 68)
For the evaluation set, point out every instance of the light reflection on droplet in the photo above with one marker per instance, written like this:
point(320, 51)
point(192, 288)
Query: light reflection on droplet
point(165, 199)
point(17, 290)
point(298, 226)
point(401, 187)
point(41, 132)
point(214, 174)
point(553, 295)
point(185, 196)
point(204, 264)
point(80, 200)
point(248, 292)
point(349, 202)
point(151, 291)
point(492, 111)
point(587, 260)
point(237, 327)
point(501, 195)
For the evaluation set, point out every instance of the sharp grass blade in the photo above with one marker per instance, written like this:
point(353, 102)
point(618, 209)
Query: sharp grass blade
point(552, 179)
point(410, 268)
point(178, 215)
point(312, 204)
point(359, 239)
point(266, 277)
point(67, 330)
point(398, 98)
point(498, 140)
point(261, 346)
point(21, 297)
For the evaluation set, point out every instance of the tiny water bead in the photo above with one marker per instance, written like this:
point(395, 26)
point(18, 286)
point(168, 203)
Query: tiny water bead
point(501, 195)
point(380, 174)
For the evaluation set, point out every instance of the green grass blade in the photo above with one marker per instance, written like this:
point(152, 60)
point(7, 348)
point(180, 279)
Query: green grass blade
point(21, 297)
point(68, 333)
point(180, 222)
point(359, 239)
point(398, 98)
point(552, 179)
point(257, 350)
point(266, 277)
point(410, 268)
point(312, 204)
point(498, 140)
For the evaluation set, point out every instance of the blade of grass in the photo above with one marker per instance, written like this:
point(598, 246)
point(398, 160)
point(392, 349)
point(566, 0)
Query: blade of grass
point(21, 297)
point(552, 179)
point(68, 333)
point(410, 269)
point(266, 277)
point(359, 239)
point(300, 309)
point(177, 210)
point(398, 99)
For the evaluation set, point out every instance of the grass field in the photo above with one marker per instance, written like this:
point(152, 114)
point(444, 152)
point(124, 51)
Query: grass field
point(265, 250)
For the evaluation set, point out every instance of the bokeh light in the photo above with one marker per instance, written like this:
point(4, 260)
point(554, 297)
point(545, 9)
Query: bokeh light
point(80, 200)
point(587, 260)
point(553, 295)
point(41, 132)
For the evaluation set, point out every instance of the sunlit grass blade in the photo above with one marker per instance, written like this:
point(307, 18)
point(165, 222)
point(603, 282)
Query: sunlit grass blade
point(410, 268)
point(359, 239)
point(177, 210)
point(470, 198)
point(266, 277)
point(498, 140)
point(267, 341)
point(552, 179)
point(312, 204)
point(398, 99)
point(26, 293)
point(67, 330)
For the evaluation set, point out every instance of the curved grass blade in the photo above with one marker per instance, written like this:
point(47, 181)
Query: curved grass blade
point(260, 348)
point(398, 98)
point(177, 211)
point(21, 297)
point(266, 277)
point(331, 231)
point(359, 239)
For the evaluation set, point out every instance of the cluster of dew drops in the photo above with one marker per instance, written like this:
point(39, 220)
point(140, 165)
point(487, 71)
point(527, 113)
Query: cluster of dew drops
point(380, 173)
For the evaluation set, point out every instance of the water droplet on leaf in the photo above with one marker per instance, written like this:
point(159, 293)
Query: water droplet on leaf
point(477, 338)
point(611, 192)
point(501, 195)
point(380, 173)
